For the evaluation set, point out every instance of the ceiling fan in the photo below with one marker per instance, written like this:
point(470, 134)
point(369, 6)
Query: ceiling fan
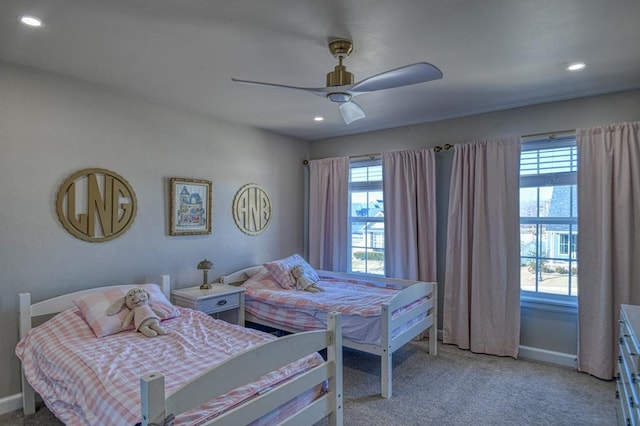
point(341, 89)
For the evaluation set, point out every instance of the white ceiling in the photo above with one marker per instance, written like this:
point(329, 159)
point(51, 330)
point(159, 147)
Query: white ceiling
point(494, 54)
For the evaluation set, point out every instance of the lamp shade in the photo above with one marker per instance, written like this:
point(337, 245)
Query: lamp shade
point(205, 264)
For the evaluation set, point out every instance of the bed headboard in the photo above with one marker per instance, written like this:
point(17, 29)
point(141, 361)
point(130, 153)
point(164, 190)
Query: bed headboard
point(240, 276)
point(60, 303)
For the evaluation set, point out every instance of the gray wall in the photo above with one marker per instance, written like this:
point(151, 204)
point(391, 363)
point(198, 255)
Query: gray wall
point(543, 327)
point(51, 127)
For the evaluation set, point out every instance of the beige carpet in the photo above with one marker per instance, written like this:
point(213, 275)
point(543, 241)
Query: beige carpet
point(455, 388)
point(461, 388)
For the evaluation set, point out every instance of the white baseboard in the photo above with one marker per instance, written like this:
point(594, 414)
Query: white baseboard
point(552, 357)
point(11, 403)
point(542, 355)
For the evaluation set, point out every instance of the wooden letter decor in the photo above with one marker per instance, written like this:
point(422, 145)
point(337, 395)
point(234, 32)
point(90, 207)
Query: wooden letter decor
point(251, 209)
point(96, 205)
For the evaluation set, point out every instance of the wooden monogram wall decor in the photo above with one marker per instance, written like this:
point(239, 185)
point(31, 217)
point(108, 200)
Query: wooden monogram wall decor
point(251, 209)
point(96, 205)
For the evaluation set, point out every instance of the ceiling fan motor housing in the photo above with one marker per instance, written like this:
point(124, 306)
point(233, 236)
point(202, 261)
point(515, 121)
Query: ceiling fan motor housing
point(339, 76)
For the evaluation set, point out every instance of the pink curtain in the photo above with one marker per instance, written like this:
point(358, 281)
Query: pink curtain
point(328, 213)
point(608, 244)
point(482, 269)
point(410, 214)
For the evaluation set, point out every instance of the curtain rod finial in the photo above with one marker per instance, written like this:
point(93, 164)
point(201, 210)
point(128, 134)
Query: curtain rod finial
point(305, 162)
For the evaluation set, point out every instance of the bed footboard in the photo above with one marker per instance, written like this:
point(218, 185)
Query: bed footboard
point(413, 322)
point(249, 366)
point(423, 317)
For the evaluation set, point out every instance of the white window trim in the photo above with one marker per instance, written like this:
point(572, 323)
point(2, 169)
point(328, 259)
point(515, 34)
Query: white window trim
point(541, 300)
point(363, 186)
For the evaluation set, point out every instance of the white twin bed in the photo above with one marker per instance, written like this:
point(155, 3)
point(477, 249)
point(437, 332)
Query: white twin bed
point(379, 315)
point(204, 372)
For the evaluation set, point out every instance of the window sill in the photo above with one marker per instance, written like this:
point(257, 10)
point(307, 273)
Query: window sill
point(549, 304)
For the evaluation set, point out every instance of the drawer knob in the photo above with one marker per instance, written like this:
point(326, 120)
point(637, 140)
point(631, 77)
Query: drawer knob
point(222, 302)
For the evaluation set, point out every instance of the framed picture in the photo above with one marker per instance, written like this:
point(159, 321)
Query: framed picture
point(190, 206)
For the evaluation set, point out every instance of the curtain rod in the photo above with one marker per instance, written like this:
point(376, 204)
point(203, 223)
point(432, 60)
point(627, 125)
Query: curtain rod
point(378, 154)
point(549, 135)
point(446, 147)
point(370, 156)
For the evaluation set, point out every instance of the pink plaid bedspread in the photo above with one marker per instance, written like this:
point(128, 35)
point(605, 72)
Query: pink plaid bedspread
point(360, 303)
point(347, 297)
point(86, 380)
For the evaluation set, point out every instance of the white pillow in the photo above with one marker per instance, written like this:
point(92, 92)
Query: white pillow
point(280, 270)
point(93, 308)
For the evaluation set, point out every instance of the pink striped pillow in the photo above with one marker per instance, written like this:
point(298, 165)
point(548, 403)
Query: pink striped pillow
point(280, 270)
point(93, 308)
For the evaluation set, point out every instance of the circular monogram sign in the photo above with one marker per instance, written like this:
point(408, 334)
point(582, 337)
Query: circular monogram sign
point(251, 209)
point(96, 205)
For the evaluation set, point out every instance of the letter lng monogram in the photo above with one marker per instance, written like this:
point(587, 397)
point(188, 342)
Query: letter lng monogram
point(96, 205)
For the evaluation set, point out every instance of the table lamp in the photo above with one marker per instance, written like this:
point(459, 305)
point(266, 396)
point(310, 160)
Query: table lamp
point(205, 265)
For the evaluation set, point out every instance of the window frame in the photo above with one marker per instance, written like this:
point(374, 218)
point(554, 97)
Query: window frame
point(568, 178)
point(363, 186)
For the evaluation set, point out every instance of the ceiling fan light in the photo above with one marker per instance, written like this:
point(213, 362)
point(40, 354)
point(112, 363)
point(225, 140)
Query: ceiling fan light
point(350, 112)
point(339, 97)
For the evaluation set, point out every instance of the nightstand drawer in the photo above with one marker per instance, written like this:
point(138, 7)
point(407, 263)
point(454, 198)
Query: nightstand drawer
point(217, 304)
point(220, 301)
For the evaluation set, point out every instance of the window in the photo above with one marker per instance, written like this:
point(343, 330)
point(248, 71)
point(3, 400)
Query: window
point(366, 222)
point(549, 218)
point(567, 244)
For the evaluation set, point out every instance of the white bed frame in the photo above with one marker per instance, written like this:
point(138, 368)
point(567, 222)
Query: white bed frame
point(411, 291)
point(237, 371)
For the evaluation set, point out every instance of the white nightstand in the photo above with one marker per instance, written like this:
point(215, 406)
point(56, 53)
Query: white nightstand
point(223, 301)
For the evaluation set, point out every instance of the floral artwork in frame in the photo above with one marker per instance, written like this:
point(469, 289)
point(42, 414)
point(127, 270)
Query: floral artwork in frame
point(190, 206)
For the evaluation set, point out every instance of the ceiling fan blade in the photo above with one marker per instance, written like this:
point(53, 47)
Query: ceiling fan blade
point(319, 91)
point(420, 72)
point(351, 112)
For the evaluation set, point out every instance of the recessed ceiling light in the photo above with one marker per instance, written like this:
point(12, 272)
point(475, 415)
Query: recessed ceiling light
point(318, 118)
point(31, 21)
point(576, 66)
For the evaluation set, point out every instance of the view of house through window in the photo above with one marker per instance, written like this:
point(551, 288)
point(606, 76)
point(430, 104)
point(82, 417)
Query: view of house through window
point(366, 222)
point(549, 217)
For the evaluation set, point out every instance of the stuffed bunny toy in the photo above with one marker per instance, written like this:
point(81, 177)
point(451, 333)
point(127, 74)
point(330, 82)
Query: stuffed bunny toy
point(145, 317)
point(303, 280)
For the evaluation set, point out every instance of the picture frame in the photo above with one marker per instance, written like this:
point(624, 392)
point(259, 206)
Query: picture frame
point(190, 206)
